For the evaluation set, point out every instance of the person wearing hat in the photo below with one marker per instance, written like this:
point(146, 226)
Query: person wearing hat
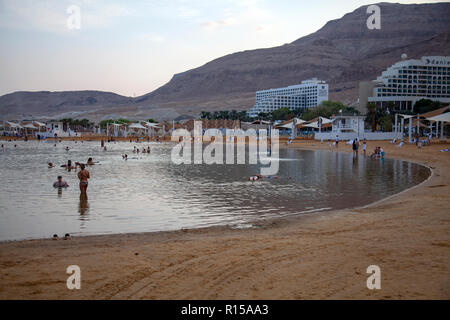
point(60, 183)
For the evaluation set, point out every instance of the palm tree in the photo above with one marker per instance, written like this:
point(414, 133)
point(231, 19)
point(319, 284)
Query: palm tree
point(372, 108)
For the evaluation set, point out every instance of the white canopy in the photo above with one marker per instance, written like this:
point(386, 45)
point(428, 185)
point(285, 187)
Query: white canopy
point(444, 117)
point(154, 125)
point(326, 120)
point(40, 124)
point(299, 121)
point(312, 125)
point(136, 126)
point(286, 125)
point(116, 124)
point(13, 125)
point(30, 126)
point(291, 123)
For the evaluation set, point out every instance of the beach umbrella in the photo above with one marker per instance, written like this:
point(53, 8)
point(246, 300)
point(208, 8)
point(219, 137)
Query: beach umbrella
point(442, 118)
point(136, 125)
point(311, 125)
point(29, 126)
point(326, 120)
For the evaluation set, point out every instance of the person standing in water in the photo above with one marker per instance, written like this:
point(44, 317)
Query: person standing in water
point(60, 183)
point(83, 175)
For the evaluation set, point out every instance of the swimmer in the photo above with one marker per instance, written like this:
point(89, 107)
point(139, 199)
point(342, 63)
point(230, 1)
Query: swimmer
point(66, 236)
point(69, 165)
point(55, 237)
point(60, 183)
point(51, 165)
point(67, 149)
point(90, 162)
point(260, 177)
point(83, 175)
point(148, 149)
point(125, 157)
point(255, 177)
point(104, 148)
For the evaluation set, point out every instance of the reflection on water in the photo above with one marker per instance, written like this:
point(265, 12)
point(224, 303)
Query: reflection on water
point(83, 206)
point(149, 193)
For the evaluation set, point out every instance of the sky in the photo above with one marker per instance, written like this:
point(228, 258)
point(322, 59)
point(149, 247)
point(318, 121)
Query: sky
point(133, 47)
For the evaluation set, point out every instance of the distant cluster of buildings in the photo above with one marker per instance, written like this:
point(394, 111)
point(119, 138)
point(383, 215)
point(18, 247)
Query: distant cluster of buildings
point(399, 86)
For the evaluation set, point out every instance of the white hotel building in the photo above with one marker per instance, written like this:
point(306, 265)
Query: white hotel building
point(308, 94)
point(408, 81)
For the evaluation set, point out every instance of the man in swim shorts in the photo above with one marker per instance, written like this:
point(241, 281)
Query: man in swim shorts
point(83, 175)
point(60, 183)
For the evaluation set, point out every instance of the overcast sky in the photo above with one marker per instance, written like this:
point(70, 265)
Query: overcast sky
point(133, 47)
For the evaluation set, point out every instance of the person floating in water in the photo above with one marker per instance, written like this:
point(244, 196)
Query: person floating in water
point(60, 183)
point(83, 175)
point(260, 177)
point(90, 162)
point(125, 157)
point(51, 165)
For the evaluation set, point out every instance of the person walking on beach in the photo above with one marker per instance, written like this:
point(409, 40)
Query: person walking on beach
point(364, 147)
point(83, 175)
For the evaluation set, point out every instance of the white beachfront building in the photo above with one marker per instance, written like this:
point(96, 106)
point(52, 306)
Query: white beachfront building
point(349, 127)
point(408, 81)
point(307, 94)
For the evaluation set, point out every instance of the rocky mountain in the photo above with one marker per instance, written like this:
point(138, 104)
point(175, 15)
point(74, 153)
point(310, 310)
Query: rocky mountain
point(25, 104)
point(342, 53)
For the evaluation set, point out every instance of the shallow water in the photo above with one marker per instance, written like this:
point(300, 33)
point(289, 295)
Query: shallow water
point(150, 193)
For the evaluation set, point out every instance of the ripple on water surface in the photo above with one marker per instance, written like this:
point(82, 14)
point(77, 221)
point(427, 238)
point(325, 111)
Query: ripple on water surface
point(149, 193)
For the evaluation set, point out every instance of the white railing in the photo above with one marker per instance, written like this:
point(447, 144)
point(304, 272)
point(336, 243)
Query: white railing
point(353, 135)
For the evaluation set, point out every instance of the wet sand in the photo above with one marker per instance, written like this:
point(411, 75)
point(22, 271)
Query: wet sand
point(317, 256)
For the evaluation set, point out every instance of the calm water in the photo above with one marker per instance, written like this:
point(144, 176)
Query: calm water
point(149, 193)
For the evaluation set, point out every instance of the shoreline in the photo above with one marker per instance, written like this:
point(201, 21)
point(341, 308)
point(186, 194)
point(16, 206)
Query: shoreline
point(172, 260)
point(254, 223)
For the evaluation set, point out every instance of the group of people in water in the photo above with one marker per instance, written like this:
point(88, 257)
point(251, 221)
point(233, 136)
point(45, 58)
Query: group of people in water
point(83, 174)
point(144, 150)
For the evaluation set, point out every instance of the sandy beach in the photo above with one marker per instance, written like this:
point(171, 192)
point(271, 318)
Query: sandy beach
point(316, 256)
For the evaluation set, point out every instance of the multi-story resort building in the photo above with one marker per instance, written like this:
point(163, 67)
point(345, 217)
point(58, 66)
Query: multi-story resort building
point(307, 94)
point(408, 81)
